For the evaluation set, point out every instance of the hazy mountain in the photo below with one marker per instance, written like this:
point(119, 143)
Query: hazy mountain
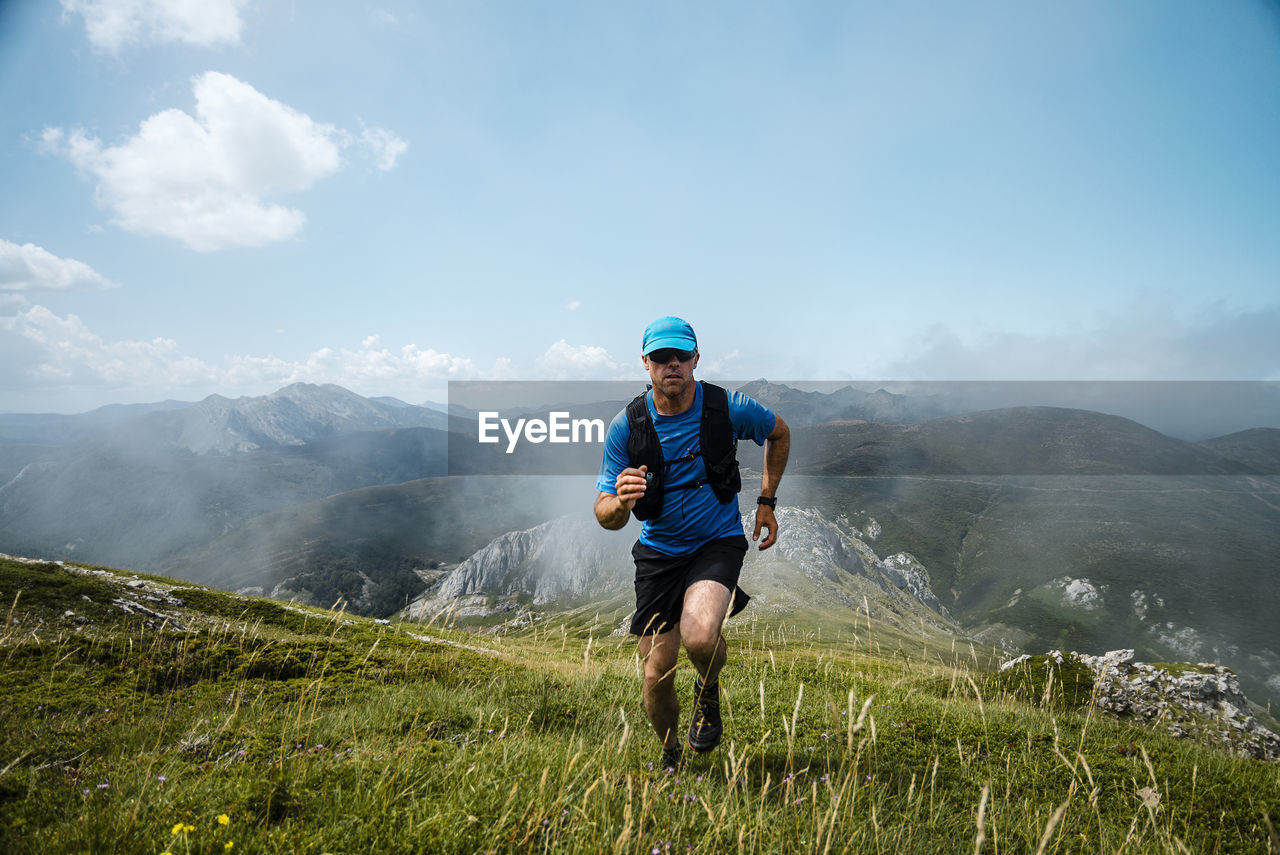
point(394, 535)
point(1192, 410)
point(1258, 448)
point(141, 485)
point(26, 437)
point(116, 499)
point(53, 429)
point(801, 407)
point(294, 415)
point(1015, 441)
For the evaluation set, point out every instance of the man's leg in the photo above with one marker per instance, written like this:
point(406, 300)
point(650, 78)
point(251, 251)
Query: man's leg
point(706, 602)
point(658, 653)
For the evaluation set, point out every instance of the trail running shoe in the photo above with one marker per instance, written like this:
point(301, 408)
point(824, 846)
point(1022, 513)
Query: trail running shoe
point(672, 759)
point(705, 729)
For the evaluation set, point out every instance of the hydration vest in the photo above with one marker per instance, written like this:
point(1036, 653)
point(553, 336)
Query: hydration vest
point(716, 440)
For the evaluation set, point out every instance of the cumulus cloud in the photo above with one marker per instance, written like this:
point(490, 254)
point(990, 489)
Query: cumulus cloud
point(208, 179)
point(63, 350)
point(368, 367)
point(27, 267)
point(564, 361)
point(112, 24)
point(47, 356)
point(1145, 341)
point(46, 352)
point(573, 305)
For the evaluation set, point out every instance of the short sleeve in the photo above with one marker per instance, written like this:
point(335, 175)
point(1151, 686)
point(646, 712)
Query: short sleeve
point(751, 420)
point(615, 454)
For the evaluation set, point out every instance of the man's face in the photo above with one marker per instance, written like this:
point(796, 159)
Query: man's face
point(670, 371)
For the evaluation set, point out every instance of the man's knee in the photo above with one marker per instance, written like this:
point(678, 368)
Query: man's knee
point(703, 641)
point(658, 675)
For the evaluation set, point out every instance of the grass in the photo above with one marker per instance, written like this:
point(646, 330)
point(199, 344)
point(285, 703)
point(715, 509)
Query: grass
point(311, 731)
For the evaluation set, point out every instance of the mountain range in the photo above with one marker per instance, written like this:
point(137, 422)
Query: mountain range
point(1034, 527)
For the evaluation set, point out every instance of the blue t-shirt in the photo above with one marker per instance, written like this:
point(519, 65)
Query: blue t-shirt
point(693, 516)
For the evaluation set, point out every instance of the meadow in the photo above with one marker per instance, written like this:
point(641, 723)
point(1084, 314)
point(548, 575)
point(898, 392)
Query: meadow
point(234, 724)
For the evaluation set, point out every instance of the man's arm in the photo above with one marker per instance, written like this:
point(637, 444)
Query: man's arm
point(613, 510)
point(777, 447)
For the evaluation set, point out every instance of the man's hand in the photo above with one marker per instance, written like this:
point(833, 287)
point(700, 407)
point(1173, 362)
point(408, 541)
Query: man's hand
point(614, 509)
point(766, 520)
point(631, 485)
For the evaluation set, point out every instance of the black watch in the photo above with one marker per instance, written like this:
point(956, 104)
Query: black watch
point(771, 501)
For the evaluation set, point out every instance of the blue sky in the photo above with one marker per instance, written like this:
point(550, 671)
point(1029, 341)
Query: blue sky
point(230, 196)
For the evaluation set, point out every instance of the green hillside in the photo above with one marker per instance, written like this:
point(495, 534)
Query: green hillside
point(197, 721)
point(1206, 545)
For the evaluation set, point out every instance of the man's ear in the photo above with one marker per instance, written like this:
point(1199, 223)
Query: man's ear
point(696, 357)
point(644, 360)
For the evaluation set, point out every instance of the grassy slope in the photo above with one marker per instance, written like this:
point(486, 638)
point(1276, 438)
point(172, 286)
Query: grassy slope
point(313, 732)
point(1203, 543)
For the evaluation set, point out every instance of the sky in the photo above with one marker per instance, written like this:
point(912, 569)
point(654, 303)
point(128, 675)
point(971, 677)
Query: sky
point(225, 196)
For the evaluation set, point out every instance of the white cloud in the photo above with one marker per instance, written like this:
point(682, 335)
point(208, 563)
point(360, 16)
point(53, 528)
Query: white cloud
point(27, 267)
point(207, 179)
point(573, 305)
point(50, 352)
point(112, 24)
point(64, 351)
point(383, 146)
point(564, 361)
point(44, 356)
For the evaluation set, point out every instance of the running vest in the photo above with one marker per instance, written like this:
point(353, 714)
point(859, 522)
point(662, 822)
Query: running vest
point(716, 440)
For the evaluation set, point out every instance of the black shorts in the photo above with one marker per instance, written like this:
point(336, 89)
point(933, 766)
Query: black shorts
point(662, 579)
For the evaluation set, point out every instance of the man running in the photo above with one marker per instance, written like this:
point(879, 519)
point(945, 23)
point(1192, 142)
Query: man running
point(670, 458)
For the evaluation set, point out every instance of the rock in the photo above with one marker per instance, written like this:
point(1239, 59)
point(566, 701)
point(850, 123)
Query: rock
point(1203, 702)
point(1012, 663)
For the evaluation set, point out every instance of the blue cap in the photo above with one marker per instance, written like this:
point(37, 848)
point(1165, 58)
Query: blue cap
point(669, 332)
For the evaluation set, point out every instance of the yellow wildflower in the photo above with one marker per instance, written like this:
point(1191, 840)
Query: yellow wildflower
point(177, 829)
point(188, 828)
point(223, 819)
point(229, 844)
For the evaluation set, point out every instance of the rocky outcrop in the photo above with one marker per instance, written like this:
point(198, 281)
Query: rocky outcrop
point(564, 559)
point(572, 558)
point(823, 549)
point(1203, 702)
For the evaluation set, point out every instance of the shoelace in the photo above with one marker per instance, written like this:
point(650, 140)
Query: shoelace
point(708, 698)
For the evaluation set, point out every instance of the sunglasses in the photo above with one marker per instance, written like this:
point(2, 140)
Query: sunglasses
point(663, 356)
